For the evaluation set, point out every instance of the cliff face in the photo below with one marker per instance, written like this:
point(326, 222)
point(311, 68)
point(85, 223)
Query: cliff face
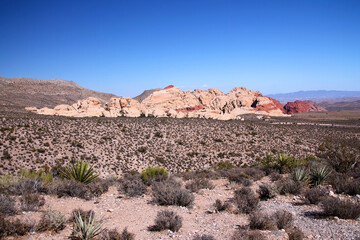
point(303, 106)
point(172, 102)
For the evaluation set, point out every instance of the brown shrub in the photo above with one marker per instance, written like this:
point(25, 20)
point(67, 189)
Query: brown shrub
point(345, 209)
point(221, 206)
point(290, 187)
point(261, 221)
point(267, 191)
point(31, 202)
point(242, 234)
point(83, 214)
point(51, 220)
point(115, 235)
point(167, 220)
point(14, 227)
point(203, 237)
point(315, 195)
point(170, 193)
point(198, 184)
point(295, 234)
point(283, 219)
point(246, 200)
point(7, 205)
point(132, 185)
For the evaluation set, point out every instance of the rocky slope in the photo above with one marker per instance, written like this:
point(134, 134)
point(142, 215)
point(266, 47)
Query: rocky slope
point(44, 93)
point(303, 106)
point(172, 102)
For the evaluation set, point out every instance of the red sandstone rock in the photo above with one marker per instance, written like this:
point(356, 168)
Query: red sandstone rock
point(189, 109)
point(303, 106)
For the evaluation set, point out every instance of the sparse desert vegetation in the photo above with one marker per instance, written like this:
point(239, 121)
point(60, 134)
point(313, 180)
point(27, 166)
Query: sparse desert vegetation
point(150, 178)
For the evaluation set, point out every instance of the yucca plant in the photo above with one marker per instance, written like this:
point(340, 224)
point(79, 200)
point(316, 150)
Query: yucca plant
point(80, 171)
point(87, 228)
point(318, 175)
point(300, 175)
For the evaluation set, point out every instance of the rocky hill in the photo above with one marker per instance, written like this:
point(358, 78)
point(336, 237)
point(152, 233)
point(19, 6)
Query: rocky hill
point(44, 93)
point(303, 106)
point(172, 102)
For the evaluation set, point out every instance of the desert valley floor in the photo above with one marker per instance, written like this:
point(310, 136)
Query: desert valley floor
point(229, 155)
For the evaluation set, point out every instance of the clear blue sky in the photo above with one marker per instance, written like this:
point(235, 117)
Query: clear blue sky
point(125, 47)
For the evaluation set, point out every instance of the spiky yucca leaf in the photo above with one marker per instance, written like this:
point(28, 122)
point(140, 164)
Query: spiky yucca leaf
point(318, 175)
point(86, 229)
point(81, 171)
point(300, 175)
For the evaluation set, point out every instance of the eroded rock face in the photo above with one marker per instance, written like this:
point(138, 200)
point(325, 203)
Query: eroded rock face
point(172, 102)
point(303, 106)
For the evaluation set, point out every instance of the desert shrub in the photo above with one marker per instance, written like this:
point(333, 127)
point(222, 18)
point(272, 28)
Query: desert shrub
point(237, 175)
point(242, 234)
point(245, 200)
point(203, 237)
point(261, 221)
point(115, 235)
point(26, 186)
point(224, 165)
point(14, 227)
point(31, 202)
point(42, 175)
point(255, 173)
point(339, 157)
point(275, 176)
point(52, 220)
point(132, 185)
point(267, 191)
point(70, 188)
point(295, 234)
point(345, 209)
point(315, 195)
point(7, 205)
point(83, 214)
point(170, 193)
point(87, 228)
point(80, 171)
point(300, 175)
point(343, 184)
point(318, 175)
point(199, 183)
point(167, 220)
point(289, 187)
point(98, 187)
point(281, 162)
point(221, 206)
point(151, 174)
point(283, 219)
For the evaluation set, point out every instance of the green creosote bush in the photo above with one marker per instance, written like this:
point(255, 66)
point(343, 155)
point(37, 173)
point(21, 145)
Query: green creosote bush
point(154, 174)
point(224, 165)
point(80, 171)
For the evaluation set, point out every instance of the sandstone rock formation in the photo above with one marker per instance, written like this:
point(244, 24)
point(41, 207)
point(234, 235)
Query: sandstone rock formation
point(303, 106)
point(172, 102)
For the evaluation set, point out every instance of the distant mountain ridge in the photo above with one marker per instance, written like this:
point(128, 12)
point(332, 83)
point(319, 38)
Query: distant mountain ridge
point(317, 96)
point(24, 92)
